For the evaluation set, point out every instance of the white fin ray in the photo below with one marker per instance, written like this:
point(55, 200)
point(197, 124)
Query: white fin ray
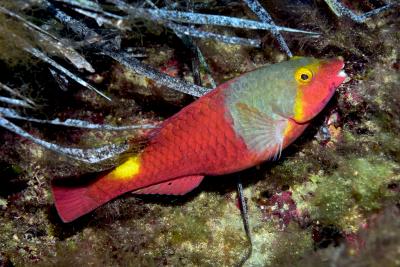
point(261, 132)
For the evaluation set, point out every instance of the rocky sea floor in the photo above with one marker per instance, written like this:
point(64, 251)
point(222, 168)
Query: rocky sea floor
point(332, 199)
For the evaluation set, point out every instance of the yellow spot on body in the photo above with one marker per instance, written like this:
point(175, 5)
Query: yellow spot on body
point(126, 170)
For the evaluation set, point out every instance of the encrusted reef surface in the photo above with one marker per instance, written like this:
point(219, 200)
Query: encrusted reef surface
point(332, 199)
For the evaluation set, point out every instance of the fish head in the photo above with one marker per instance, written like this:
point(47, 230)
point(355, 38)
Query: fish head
point(316, 81)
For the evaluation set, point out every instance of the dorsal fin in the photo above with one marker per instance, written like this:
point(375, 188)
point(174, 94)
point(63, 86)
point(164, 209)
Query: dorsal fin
point(178, 186)
point(260, 131)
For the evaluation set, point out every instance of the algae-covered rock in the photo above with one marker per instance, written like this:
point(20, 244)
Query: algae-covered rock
point(359, 186)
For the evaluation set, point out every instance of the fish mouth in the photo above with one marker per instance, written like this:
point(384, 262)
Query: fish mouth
point(337, 64)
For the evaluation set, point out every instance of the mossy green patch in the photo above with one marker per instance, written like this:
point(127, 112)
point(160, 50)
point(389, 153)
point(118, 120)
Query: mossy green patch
point(359, 185)
point(294, 240)
point(189, 228)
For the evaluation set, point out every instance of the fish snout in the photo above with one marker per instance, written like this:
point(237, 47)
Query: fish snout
point(335, 67)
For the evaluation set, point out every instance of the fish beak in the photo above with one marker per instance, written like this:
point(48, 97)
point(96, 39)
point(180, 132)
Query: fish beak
point(337, 65)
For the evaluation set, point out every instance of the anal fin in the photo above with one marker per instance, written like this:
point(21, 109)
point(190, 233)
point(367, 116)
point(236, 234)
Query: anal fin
point(179, 186)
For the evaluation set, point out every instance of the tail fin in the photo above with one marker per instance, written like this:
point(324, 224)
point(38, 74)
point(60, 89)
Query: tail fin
point(73, 201)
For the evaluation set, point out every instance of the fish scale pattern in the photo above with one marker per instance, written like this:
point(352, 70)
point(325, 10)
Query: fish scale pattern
point(199, 140)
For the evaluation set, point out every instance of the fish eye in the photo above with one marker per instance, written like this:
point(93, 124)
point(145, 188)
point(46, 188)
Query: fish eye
point(303, 75)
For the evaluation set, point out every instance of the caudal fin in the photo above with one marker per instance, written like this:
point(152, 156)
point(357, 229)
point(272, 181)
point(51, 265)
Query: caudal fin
point(73, 202)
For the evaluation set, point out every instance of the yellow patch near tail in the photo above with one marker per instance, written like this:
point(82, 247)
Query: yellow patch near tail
point(126, 170)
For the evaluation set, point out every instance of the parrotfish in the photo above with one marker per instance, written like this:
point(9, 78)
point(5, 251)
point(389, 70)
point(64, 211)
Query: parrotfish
point(239, 124)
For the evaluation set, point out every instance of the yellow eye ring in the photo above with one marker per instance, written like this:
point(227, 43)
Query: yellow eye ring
point(303, 75)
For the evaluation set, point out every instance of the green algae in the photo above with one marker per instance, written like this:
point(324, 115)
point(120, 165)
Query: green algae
point(162, 234)
point(295, 240)
point(359, 185)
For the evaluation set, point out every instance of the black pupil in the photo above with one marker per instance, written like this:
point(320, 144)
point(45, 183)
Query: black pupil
point(304, 77)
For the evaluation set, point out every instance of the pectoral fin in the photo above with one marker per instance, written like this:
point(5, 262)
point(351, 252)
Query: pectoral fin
point(260, 131)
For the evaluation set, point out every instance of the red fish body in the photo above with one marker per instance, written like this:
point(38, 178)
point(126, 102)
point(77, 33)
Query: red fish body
point(225, 131)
